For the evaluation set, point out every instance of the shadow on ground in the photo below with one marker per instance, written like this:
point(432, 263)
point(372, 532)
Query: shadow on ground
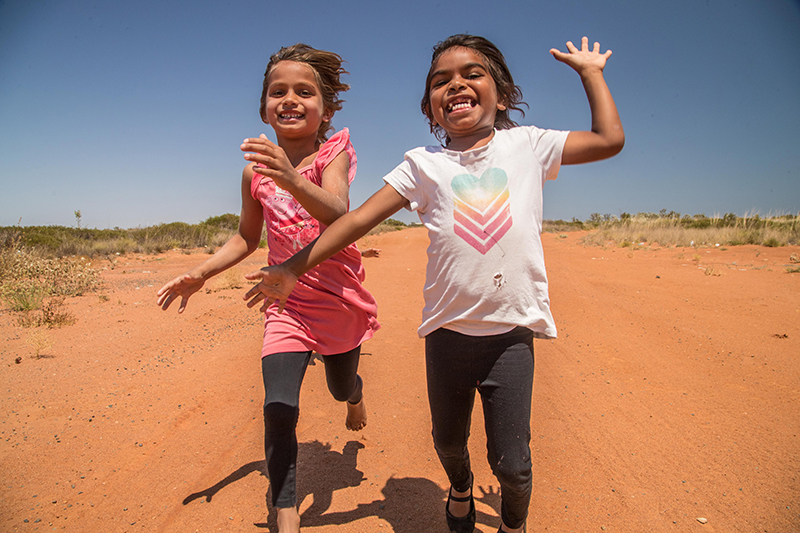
point(409, 505)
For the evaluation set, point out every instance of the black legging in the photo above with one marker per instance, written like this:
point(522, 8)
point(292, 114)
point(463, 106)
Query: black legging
point(500, 368)
point(283, 375)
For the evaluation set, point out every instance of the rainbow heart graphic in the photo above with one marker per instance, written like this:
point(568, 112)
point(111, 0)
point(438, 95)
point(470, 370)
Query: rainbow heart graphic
point(482, 211)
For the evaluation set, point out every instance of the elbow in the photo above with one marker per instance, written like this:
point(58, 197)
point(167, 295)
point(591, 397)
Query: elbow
point(251, 242)
point(334, 215)
point(614, 142)
point(617, 143)
point(252, 246)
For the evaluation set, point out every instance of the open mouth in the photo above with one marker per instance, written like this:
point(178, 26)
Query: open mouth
point(290, 116)
point(459, 104)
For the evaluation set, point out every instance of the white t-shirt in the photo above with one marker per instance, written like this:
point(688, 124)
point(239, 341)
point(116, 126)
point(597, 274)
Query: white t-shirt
point(483, 211)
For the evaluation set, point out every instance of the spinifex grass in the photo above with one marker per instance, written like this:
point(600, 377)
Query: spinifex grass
point(696, 231)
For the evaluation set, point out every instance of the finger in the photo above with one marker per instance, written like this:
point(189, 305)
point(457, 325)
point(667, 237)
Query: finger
point(267, 171)
point(584, 43)
point(167, 301)
point(184, 301)
point(255, 140)
point(559, 55)
point(269, 301)
point(253, 291)
point(259, 143)
point(571, 47)
point(596, 48)
point(257, 298)
point(255, 275)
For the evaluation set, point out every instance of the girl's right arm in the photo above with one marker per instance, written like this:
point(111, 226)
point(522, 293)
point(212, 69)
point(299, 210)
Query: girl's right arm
point(244, 243)
point(606, 137)
point(276, 282)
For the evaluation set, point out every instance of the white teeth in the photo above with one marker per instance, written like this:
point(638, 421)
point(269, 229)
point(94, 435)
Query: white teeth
point(459, 105)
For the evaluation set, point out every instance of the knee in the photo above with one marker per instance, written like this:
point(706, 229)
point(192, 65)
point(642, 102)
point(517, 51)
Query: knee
point(450, 446)
point(280, 418)
point(342, 392)
point(513, 474)
point(339, 394)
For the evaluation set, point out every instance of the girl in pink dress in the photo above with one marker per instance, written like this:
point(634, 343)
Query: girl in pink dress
point(298, 186)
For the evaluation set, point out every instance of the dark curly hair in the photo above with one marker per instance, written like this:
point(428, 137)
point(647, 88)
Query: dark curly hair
point(327, 68)
point(508, 94)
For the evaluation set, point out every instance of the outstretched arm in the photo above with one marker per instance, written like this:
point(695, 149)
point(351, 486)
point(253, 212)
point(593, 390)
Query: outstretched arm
point(237, 248)
point(276, 282)
point(606, 138)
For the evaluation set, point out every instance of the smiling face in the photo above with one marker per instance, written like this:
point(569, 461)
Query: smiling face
point(463, 98)
point(294, 104)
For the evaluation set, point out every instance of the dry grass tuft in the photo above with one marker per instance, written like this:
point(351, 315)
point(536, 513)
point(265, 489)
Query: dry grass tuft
point(671, 229)
point(40, 342)
point(36, 287)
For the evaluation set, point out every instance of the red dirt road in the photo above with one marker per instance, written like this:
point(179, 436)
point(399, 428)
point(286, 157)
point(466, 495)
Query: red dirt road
point(672, 394)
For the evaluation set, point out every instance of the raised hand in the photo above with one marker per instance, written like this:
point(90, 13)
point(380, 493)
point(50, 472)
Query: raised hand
point(183, 286)
point(278, 167)
point(583, 59)
point(275, 285)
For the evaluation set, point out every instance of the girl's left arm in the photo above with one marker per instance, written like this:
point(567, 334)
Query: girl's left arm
point(606, 138)
point(325, 203)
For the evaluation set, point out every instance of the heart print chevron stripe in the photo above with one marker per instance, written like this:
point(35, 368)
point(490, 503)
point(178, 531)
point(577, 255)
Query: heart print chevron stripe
point(482, 210)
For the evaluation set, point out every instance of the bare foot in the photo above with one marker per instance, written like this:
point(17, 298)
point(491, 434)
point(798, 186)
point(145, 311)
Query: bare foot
point(288, 520)
point(356, 415)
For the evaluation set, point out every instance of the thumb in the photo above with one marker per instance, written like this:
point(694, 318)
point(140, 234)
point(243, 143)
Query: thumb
point(252, 276)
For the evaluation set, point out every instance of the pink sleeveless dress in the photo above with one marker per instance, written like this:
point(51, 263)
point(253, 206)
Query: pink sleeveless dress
point(329, 310)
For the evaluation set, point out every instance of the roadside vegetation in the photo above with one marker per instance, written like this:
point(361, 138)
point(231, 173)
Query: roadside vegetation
point(41, 266)
point(673, 229)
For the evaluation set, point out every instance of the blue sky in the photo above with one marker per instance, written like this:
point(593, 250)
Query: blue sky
point(133, 112)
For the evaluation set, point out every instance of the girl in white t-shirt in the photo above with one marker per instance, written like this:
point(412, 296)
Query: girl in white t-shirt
point(480, 196)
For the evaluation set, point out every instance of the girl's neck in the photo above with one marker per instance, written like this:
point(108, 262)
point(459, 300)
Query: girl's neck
point(470, 142)
point(301, 152)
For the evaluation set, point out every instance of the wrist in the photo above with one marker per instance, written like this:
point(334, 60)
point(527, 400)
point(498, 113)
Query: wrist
point(292, 182)
point(293, 268)
point(589, 73)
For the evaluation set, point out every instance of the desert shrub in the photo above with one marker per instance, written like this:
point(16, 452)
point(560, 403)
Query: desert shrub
point(393, 222)
point(52, 313)
point(36, 286)
point(698, 230)
point(228, 222)
point(389, 224)
point(560, 226)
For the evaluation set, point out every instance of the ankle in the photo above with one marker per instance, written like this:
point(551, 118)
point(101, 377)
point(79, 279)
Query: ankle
point(288, 520)
point(460, 494)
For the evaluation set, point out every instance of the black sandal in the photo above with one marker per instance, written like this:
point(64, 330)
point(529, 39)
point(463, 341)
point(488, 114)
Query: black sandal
point(461, 524)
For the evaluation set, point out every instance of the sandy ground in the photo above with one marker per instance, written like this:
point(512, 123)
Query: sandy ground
point(672, 394)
